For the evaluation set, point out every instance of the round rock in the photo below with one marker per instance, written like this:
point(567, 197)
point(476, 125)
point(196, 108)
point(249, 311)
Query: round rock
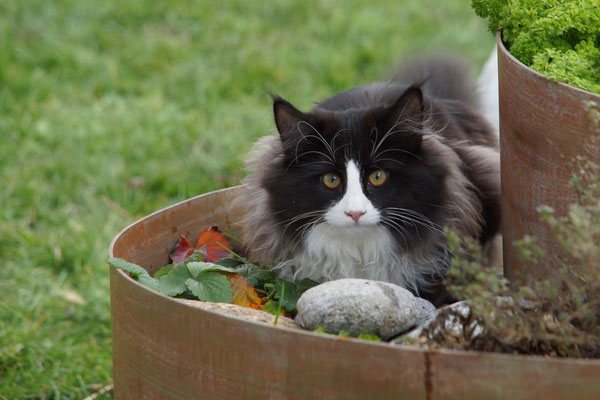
point(361, 306)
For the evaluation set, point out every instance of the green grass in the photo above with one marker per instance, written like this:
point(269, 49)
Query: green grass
point(110, 110)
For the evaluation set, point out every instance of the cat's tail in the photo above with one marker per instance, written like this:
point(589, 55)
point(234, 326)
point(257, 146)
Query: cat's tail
point(449, 77)
point(442, 77)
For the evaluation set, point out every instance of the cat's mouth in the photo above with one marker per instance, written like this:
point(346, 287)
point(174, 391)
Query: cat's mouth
point(355, 231)
point(352, 225)
point(352, 220)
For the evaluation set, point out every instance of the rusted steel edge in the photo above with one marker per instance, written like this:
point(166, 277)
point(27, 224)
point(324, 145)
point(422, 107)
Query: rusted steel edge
point(537, 74)
point(427, 352)
point(163, 210)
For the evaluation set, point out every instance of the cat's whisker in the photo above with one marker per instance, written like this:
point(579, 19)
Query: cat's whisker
point(301, 232)
point(378, 154)
point(405, 221)
point(400, 115)
point(388, 159)
point(414, 218)
point(398, 228)
point(311, 219)
point(315, 152)
point(438, 131)
point(342, 146)
point(329, 159)
point(313, 162)
point(424, 221)
point(385, 136)
point(406, 128)
point(374, 141)
point(410, 219)
point(335, 137)
point(414, 212)
point(317, 136)
point(306, 215)
point(401, 218)
point(399, 151)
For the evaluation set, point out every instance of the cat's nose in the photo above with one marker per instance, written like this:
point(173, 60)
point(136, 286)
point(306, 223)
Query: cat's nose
point(355, 215)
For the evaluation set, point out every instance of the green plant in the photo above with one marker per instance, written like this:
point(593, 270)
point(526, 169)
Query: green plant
point(560, 39)
point(559, 315)
point(112, 110)
point(207, 281)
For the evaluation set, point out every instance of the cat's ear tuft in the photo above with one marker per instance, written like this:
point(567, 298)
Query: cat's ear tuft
point(405, 117)
point(407, 109)
point(287, 117)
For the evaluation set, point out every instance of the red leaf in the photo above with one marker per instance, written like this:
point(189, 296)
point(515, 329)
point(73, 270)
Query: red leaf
point(183, 249)
point(210, 244)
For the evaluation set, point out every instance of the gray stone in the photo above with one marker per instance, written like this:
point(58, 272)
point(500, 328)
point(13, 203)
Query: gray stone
point(361, 306)
point(426, 309)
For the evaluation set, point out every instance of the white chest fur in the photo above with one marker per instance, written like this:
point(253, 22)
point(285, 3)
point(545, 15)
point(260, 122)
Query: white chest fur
point(331, 253)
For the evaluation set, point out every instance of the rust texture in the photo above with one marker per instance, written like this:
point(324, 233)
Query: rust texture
point(166, 349)
point(544, 125)
point(428, 376)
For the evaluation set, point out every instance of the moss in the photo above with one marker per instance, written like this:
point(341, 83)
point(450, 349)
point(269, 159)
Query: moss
point(560, 38)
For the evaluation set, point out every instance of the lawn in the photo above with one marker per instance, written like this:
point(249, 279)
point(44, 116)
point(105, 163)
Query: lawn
point(110, 110)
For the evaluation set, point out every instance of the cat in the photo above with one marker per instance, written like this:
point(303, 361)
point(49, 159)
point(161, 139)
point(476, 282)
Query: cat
point(364, 184)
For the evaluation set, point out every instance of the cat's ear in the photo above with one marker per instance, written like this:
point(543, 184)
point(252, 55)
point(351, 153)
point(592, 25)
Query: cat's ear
point(287, 117)
point(406, 115)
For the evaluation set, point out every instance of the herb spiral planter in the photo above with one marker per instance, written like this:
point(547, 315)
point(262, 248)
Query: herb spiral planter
point(544, 126)
point(164, 348)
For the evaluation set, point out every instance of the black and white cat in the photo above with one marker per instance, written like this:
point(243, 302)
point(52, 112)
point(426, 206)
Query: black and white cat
point(364, 184)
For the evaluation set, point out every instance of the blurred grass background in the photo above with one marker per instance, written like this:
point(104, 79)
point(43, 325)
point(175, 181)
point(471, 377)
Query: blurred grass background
point(110, 110)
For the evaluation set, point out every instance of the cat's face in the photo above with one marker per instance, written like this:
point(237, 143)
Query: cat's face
point(357, 170)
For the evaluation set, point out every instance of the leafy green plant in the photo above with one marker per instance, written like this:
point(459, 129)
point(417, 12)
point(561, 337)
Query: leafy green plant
point(368, 336)
point(345, 334)
point(560, 39)
point(207, 281)
point(111, 111)
point(558, 315)
point(200, 280)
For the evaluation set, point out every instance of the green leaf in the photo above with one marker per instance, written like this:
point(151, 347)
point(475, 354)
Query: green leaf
point(272, 307)
point(196, 268)
point(293, 291)
point(162, 271)
point(368, 336)
point(195, 257)
point(287, 294)
point(305, 284)
point(211, 286)
point(133, 269)
point(138, 273)
point(344, 333)
point(148, 281)
point(173, 283)
point(229, 262)
point(256, 276)
point(320, 329)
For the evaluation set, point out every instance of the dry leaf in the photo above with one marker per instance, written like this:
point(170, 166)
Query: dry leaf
point(183, 249)
point(243, 294)
point(212, 245)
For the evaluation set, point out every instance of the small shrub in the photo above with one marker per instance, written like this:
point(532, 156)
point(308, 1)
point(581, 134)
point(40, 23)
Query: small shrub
point(560, 39)
point(557, 316)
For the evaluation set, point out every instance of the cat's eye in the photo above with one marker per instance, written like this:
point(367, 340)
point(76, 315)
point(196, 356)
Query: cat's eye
point(378, 178)
point(331, 180)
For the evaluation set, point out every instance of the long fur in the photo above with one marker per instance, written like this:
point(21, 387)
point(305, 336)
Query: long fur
point(463, 144)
